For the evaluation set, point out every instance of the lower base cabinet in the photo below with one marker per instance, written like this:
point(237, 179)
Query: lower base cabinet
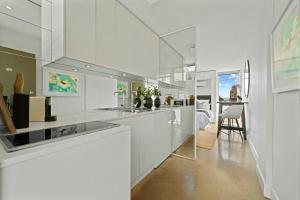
point(150, 142)
point(93, 167)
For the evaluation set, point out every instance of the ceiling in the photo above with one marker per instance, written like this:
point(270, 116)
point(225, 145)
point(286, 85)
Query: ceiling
point(225, 28)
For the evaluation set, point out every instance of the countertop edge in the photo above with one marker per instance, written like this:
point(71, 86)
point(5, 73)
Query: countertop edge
point(12, 158)
point(91, 115)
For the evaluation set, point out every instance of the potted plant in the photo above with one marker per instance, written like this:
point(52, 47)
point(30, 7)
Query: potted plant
point(148, 102)
point(157, 94)
point(139, 95)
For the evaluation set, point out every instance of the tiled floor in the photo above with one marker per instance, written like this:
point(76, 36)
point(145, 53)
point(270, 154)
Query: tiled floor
point(225, 173)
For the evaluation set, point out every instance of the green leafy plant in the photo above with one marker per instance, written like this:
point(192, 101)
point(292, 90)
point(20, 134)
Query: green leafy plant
point(148, 92)
point(140, 92)
point(156, 91)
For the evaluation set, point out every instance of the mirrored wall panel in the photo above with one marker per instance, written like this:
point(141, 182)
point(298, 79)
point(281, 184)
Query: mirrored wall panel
point(177, 65)
point(25, 43)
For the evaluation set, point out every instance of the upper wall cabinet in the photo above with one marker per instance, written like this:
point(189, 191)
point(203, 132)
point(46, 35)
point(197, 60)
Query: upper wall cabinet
point(105, 33)
point(124, 42)
point(73, 30)
point(106, 44)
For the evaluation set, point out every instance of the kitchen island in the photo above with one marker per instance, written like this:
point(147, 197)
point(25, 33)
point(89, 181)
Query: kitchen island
point(150, 144)
point(89, 166)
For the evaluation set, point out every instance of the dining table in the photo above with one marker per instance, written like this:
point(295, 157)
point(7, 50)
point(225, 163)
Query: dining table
point(221, 126)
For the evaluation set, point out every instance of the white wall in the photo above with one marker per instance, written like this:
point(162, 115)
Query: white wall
point(100, 92)
point(260, 99)
point(274, 118)
point(69, 105)
point(286, 137)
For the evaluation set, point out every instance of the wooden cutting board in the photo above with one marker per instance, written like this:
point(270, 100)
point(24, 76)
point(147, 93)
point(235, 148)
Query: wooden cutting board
point(5, 114)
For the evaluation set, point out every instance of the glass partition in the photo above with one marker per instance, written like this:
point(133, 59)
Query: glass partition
point(177, 82)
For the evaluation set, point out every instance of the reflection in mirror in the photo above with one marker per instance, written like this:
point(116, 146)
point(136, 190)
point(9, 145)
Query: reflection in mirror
point(25, 43)
point(247, 79)
point(177, 84)
point(13, 62)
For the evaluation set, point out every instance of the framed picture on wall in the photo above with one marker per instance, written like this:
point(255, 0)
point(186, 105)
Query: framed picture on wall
point(286, 49)
point(122, 88)
point(60, 82)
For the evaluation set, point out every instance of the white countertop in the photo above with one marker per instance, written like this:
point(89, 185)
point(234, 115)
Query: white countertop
point(92, 115)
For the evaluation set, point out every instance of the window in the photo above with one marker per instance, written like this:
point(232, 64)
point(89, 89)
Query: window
point(226, 81)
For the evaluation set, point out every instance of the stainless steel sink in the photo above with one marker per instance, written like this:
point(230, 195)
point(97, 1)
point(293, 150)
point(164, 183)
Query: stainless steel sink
point(131, 110)
point(112, 109)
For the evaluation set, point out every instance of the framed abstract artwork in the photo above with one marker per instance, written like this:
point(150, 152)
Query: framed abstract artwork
point(60, 82)
point(286, 50)
point(122, 88)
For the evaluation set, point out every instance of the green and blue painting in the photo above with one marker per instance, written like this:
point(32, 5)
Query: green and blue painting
point(63, 83)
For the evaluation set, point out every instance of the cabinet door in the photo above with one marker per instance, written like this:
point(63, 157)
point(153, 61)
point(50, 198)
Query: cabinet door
point(106, 44)
point(80, 30)
point(135, 145)
point(143, 145)
point(147, 143)
point(124, 53)
point(145, 46)
point(137, 46)
point(163, 138)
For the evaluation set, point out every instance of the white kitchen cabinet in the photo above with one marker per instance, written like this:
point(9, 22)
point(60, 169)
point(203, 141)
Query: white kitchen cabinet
point(142, 145)
point(92, 166)
point(124, 38)
point(145, 44)
point(123, 42)
point(147, 143)
point(136, 128)
point(163, 131)
point(105, 33)
point(150, 142)
point(106, 30)
point(73, 30)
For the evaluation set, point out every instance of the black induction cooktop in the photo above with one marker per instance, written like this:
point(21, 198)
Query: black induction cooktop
point(34, 138)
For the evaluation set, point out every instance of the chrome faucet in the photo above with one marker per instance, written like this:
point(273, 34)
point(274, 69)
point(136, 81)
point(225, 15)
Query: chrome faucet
point(123, 97)
point(133, 105)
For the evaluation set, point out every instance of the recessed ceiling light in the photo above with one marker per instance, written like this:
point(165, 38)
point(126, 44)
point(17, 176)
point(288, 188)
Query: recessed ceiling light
point(75, 70)
point(8, 7)
point(152, 1)
point(124, 74)
point(88, 66)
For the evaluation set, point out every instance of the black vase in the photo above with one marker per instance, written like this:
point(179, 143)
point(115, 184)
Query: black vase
point(148, 102)
point(21, 110)
point(157, 102)
point(137, 102)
